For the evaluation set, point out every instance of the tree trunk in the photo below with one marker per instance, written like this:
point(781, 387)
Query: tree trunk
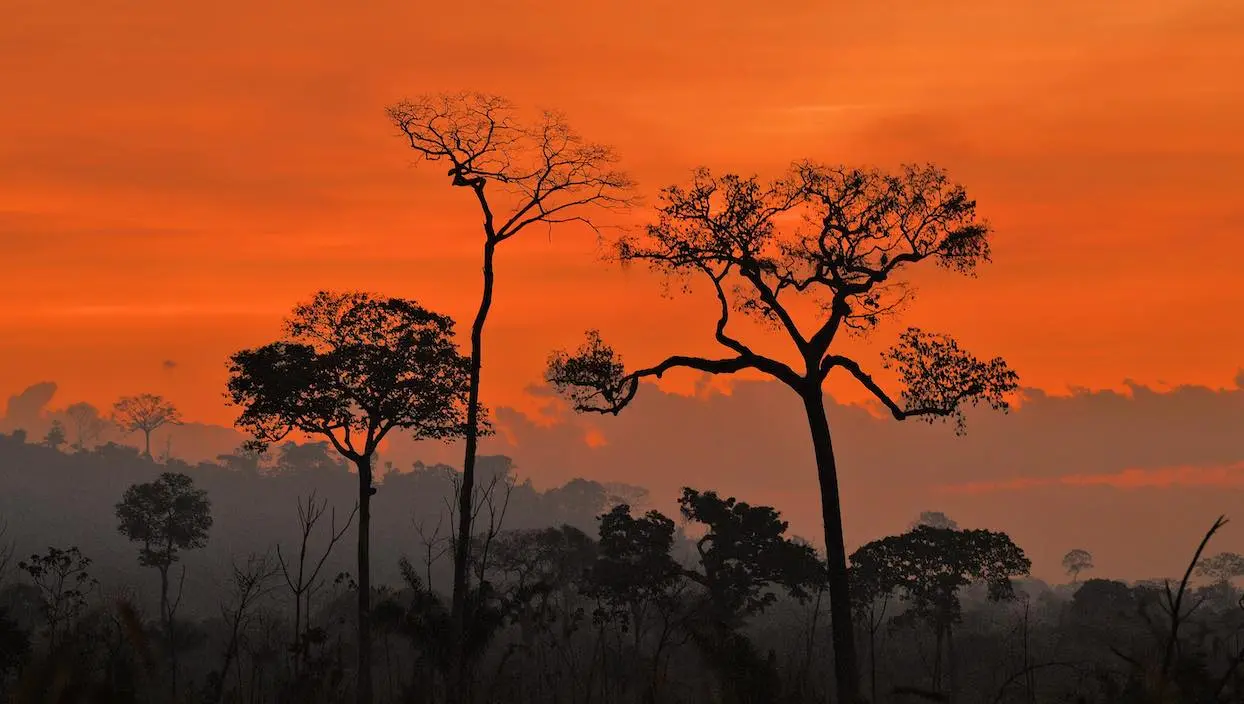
point(164, 616)
point(846, 672)
point(951, 664)
point(872, 658)
point(147, 443)
point(364, 690)
point(462, 551)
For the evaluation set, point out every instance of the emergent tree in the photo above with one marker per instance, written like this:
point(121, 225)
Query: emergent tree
point(353, 368)
point(1077, 561)
point(146, 413)
point(863, 230)
point(542, 173)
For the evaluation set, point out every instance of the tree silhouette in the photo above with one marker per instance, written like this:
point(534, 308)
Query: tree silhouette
point(745, 553)
point(866, 228)
point(87, 424)
point(146, 413)
point(165, 516)
point(355, 367)
point(1075, 562)
point(744, 556)
point(926, 567)
point(63, 580)
point(1223, 567)
point(934, 519)
point(56, 435)
point(542, 173)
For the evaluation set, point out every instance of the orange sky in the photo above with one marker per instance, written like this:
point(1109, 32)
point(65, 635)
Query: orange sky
point(173, 178)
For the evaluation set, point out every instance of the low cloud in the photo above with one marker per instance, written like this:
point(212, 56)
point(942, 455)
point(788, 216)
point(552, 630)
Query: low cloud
point(1227, 477)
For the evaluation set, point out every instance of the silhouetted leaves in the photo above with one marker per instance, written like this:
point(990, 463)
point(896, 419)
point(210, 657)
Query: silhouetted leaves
point(746, 553)
point(354, 368)
point(939, 378)
point(165, 517)
point(928, 566)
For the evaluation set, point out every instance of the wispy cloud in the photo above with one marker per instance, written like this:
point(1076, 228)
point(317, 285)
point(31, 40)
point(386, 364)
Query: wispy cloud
point(145, 310)
point(1224, 476)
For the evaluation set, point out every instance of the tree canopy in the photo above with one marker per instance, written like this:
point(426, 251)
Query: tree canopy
point(861, 230)
point(353, 368)
point(165, 517)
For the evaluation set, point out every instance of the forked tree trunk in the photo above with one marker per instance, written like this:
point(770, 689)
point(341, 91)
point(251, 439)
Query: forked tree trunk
point(846, 671)
point(363, 692)
point(458, 678)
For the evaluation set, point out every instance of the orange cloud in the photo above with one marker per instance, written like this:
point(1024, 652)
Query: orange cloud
point(1229, 476)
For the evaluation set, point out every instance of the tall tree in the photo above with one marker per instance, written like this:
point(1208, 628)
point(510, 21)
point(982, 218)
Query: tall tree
point(165, 517)
point(541, 173)
point(844, 273)
point(353, 368)
point(146, 413)
point(1075, 562)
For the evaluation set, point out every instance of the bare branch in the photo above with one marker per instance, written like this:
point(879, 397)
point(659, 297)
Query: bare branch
point(595, 380)
point(546, 170)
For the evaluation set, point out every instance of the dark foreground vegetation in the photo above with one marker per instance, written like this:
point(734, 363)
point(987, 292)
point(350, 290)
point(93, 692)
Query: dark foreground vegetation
point(170, 582)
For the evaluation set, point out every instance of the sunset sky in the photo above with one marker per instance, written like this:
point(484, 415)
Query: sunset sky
point(175, 176)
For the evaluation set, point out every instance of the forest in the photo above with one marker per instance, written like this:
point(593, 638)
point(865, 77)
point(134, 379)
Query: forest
point(304, 568)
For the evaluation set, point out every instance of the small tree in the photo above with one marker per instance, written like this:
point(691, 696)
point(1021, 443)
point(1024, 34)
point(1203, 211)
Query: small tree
point(146, 413)
point(863, 230)
point(303, 581)
point(56, 435)
point(63, 582)
point(165, 517)
point(541, 174)
point(353, 368)
point(1077, 561)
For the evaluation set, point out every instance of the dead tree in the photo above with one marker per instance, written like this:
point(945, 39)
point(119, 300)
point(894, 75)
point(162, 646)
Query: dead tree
point(249, 583)
point(302, 582)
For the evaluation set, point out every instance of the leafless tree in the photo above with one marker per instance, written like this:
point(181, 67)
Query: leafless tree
point(146, 413)
point(7, 549)
point(303, 582)
point(88, 426)
point(826, 243)
point(541, 173)
point(434, 544)
point(249, 583)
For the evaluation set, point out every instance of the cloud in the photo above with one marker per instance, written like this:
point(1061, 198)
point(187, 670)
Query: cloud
point(1088, 467)
point(1225, 477)
point(27, 407)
